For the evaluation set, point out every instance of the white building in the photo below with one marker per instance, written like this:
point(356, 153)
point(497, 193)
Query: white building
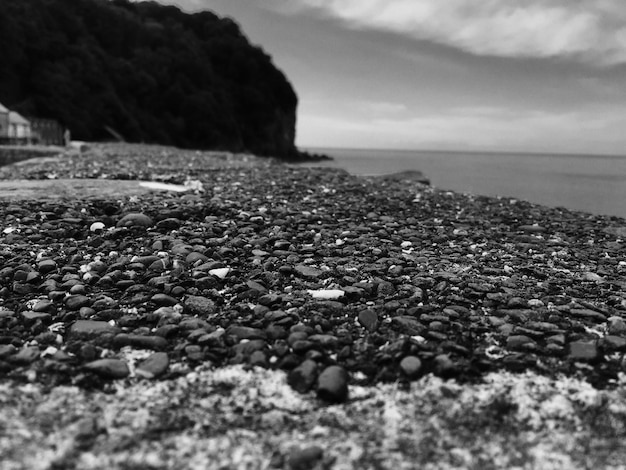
point(4, 123)
point(19, 127)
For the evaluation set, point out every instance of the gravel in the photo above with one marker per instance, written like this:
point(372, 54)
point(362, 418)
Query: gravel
point(335, 281)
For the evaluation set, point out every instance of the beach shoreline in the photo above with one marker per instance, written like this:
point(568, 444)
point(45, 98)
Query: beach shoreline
point(442, 316)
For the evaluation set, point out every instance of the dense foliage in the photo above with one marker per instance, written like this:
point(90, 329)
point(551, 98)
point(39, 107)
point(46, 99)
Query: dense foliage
point(145, 71)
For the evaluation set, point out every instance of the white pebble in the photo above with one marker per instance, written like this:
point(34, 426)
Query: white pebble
point(326, 294)
point(219, 272)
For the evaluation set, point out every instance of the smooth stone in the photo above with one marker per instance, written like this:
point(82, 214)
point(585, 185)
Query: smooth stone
point(326, 294)
point(135, 219)
point(43, 305)
point(518, 341)
point(303, 377)
point(411, 366)
point(614, 343)
point(332, 384)
point(91, 328)
point(245, 332)
point(25, 355)
point(588, 314)
point(109, 368)
point(164, 300)
point(198, 305)
point(308, 271)
point(258, 358)
point(368, 319)
point(31, 316)
point(154, 366)
point(75, 302)
point(170, 223)
point(138, 341)
point(531, 228)
point(220, 273)
point(47, 265)
point(583, 351)
point(617, 326)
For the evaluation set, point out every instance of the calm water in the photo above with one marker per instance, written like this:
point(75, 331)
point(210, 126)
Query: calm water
point(590, 183)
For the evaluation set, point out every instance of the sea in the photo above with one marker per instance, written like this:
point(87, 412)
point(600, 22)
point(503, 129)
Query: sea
point(594, 184)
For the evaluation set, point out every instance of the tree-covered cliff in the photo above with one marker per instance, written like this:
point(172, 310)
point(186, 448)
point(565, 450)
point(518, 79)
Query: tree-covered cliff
point(148, 72)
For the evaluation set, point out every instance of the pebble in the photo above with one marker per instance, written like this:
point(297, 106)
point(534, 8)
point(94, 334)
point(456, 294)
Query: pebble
point(584, 351)
point(326, 294)
point(332, 384)
point(76, 302)
point(369, 320)
point(411, 366)
point(91, 328)
point(154, 366)
point(303, 377)
point(308, 271)
point(199, 305)
point(156, 343)
point(109, 368)
point(438, 284)
point(135, 219)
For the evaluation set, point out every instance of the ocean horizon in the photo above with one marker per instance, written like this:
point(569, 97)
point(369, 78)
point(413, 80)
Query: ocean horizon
point(594, 184)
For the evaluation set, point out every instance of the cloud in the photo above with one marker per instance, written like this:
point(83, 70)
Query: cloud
point(590, 31)
point(472, 128)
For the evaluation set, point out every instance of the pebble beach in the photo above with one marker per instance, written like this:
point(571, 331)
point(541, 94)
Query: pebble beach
point(165, 308)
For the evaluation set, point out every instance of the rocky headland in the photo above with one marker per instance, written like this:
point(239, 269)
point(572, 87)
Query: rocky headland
point(181, 309)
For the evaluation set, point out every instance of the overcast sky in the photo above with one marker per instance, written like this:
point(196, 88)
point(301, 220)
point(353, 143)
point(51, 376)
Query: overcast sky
point(532, 75)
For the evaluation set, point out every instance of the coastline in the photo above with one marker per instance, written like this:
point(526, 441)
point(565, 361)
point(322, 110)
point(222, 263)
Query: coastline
point(514, 312)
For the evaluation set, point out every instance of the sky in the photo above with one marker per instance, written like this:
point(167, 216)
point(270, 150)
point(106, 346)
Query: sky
point(468, 75)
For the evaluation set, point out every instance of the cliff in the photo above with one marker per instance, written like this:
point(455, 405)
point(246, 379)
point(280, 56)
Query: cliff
point(146, 72)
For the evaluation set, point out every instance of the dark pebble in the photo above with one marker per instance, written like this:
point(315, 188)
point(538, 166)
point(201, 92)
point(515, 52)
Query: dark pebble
point(332, 384)
point(156, 343)
point(302, 378)
point(135, 219)
point(368, 320)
